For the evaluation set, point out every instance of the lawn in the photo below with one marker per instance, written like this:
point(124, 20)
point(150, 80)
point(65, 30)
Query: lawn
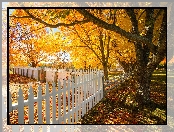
point(120, 107)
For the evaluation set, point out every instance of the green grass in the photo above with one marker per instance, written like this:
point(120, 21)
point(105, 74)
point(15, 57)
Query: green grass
point(114, 74)
point(159, 76)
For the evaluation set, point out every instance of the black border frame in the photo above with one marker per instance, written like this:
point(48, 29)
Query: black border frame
point(8, 8)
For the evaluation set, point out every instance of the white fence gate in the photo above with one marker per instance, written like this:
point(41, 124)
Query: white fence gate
point(74, 100)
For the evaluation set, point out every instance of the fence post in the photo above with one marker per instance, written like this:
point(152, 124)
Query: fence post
point(42, 75)
point(23, 72)
point(56, 78)
point(27, 73)
point(32, 73)
point(38, 74)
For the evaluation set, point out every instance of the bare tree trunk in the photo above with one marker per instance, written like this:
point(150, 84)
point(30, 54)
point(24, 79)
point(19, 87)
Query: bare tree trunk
point(105, 68)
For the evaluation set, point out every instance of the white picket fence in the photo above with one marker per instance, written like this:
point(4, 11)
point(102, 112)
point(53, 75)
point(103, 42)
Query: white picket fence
point(74, 100)
point(23, 71)
point(52, 75)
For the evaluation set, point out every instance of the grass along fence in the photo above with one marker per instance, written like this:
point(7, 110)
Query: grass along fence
point(115, 82)
point(67, 104)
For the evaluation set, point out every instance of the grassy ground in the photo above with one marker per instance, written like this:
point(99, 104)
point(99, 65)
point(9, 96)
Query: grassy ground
point(114, 74)
point(120, 107)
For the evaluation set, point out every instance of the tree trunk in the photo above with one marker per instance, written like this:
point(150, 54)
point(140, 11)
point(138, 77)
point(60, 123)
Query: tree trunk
point(143, 79)
point(33, 64)
point(105, 71)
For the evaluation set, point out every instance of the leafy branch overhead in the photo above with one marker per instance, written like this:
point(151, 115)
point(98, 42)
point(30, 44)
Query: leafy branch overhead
point(89, 17)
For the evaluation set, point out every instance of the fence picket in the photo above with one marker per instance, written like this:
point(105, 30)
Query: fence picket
point(20, 107)
point(54, 104)
point(59, 101)
point(85, 97)
point(47, 104)
point(90, 102)
point(75, 98)
point(79, 99)
point(39, 104)
point(72, 100)
point(69, 89)
point(82, 85)
point(31, 105)
point(64, 100)
point(25, 72)
point(96, 85)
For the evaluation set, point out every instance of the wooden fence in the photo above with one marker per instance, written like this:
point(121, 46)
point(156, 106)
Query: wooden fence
point(74, 99)
point(49, 74)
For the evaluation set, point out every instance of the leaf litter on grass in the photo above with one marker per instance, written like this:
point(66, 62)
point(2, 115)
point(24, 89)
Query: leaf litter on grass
point(119, 106)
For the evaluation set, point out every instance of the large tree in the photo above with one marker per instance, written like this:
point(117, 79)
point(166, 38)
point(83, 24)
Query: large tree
point(146, 30)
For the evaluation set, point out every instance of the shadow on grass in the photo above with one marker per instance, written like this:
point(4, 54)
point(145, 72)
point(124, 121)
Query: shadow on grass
point(120, 107)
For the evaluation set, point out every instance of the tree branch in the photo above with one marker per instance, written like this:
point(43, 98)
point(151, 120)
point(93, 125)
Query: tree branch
point(108, 51)
point(162, 43)
point(19, 16)
point(112, 27)
point(133, 19)
point(101, 45)
point(88, 45)
point(141, 14)
point(56, 25)
point(90, 41)
point(42, 59)
point(160, 11)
